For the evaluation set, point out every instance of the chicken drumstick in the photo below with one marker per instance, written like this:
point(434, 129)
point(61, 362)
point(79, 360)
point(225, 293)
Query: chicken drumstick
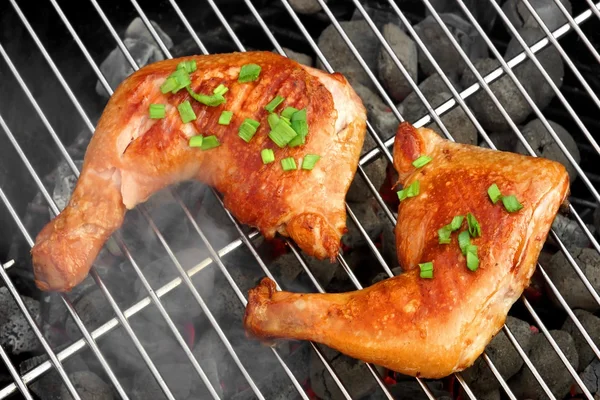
point(434, 320)
point(131, 156)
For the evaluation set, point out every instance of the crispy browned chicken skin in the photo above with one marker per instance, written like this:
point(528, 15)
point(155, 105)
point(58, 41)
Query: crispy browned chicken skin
point(432, 327)
point(130, 157)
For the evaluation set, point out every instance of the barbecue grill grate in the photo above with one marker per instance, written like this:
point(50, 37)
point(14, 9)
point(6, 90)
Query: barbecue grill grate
point(247, 238)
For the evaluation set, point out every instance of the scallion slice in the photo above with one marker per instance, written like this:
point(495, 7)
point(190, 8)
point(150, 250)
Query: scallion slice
point(299, 115)
point(511, 204)
point(186, 112)
point(182, 78)
point(249, 73)
point(444, 235)
point(267, 155)
point(472, 261)
point(464, 241)
point(282, 133)
point(410, 191)
point(421, 161)
point(426, 270)
point(157, 111)
point(210, 142)
point(168, 85)
point(196, 141)
point(297, 141)
point(309, 161)
point(211, 101)
point(248, 129)
point(288, 164)
point(273, 119)
point(288, 112)
point(456, 222)
point(188, 66)
point(494, 193)
point(221, 90)
point(474, 228)
point(274, 103)
point(225, 117)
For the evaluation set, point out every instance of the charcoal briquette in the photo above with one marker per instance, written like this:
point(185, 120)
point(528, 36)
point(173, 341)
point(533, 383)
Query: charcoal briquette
point(570, 232)
point(370, 221)
point(591, 324)
point(390, 75)
point(520, 16)
point(89, 387)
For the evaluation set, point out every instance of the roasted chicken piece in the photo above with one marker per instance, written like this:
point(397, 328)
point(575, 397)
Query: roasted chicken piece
point(433, 324)
point(131, 156)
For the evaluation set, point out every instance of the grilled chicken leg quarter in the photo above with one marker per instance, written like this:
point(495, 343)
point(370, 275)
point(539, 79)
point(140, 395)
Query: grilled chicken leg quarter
point(432, 326)
point(131, 156)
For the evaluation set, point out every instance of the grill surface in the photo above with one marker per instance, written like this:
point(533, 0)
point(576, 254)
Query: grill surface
point(247, 238)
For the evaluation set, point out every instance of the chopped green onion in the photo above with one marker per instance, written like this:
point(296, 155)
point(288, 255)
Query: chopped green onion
point(426, 270)
point(472, 261)
point(249, 73)
point(267, 156)
point(186, 112)
point(168, 85)
point(248, 129)
point(274, 103)
point(182, 78)
point(309, 161)
point(301, 127)
point(494, 193)
point(288, 112)
point(472, 249)
point(211, 101)
point(444, 235)
point(410, 191)
point(188, 66)
point(511, 203)
point(474, 228)
point(297, 141)
point(157, 111)
point(456, 222)
point(210, 142)
point(272, 119)
point(421, 161)
point(288, 164)
point(196, 141)
point(299, 115)
point(221, 89)
point(464, 241)
point(282, 133)
point(225, 118)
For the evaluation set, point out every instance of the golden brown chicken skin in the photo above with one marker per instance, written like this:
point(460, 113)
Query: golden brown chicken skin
point(131, 156)
point(432, 327)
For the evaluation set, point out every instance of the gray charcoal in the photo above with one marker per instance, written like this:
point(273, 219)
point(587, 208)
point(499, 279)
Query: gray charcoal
point(504, 356)
point(210, 355)
point(340, 56)
point(15, 332)
point(366, 215)
point(436, 92)
point(597, 220)
point(570, 233)
point(520, 16)
point(141, 46)
point(389, 242)
point(406, 51)
point(534, 82)
point(544, 145)
point(89, 387)
point(442, 50)
point(65, 184)
point(506, 93)
point(350, 371)
point(491, 395)
point(484, 13)
point(383, 120)
point(182, 380)
point(381, 13)
point(288, 269)
point(411, 390)
point(306, 6)
point(504, 141)
point(591, 378)
point(568, 282)
point(591, 324)
point(550, 367)
point(301, 58)
point(383, 275)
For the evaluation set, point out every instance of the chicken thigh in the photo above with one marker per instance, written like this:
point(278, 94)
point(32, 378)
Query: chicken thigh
point(438, 315)
point(131, 156)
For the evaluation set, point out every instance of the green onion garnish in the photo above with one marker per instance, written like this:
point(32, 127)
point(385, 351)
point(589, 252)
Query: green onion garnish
point(456, 222)
point(225, 118)
point(188, 66)
point(426, 270)
point(472, 259)
point(221, 89)
point(511, 203)
point(421, 161)
point(282, 133)
point(299, 115)
point(474, 228)
point(157, 111)
point(168, 85)
point(196, 141)
point(273, 119)
point(464, 241)
point(186, 112)
point(444, 235)
point(182, 78)
point(274, 103)
point(249, 73)
point(248, 129)
point(288, 112)
point(267, 156)
point(494, 193)
point(410, 191)
point(288, 164)
point(210, 142)
point(211, 101)
point(309, 161)
point(300, 126)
